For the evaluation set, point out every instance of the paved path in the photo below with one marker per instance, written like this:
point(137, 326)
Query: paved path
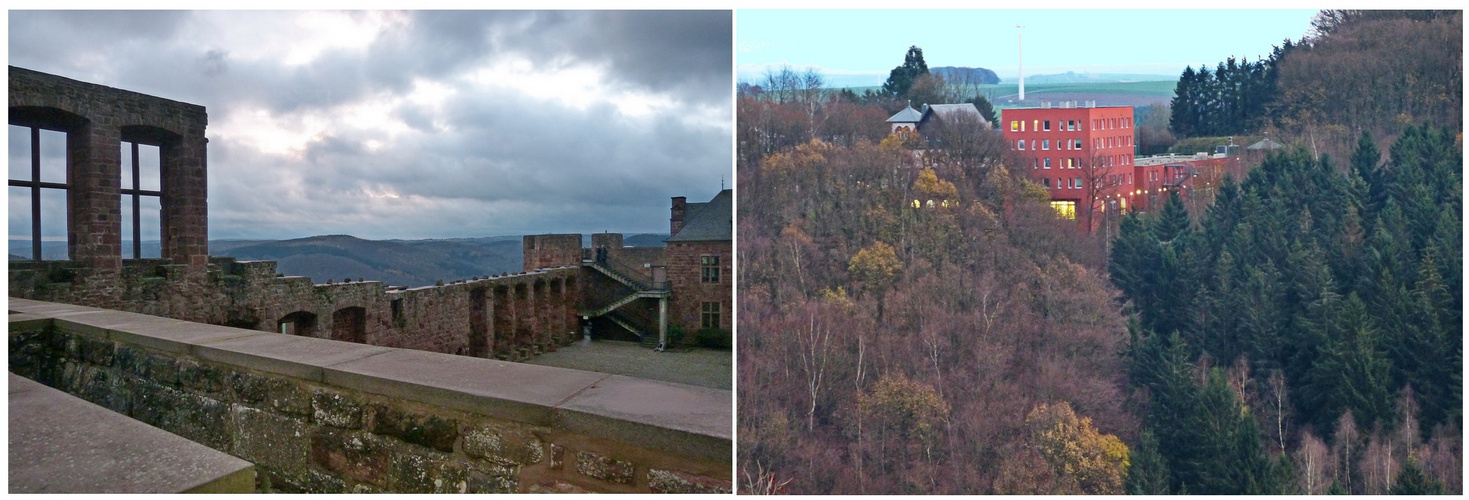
point(701, 367)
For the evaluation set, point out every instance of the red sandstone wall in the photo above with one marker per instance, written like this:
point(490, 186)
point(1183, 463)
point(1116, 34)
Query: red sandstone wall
point(689, 293)
point(551, 250)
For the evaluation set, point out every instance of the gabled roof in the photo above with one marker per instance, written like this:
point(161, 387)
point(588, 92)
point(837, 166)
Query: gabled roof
point(1265, 144)
point(950, 111)
point(712, 221)
point(907, 115)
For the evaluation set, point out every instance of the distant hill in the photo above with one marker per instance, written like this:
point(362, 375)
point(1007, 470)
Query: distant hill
point(1074, 77)
point(963, 75)
point(394, 262)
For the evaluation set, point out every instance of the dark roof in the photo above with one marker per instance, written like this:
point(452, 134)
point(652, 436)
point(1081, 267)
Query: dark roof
point(712, 221)
point(907, 115)
point(948, 111)
point(1265, 144)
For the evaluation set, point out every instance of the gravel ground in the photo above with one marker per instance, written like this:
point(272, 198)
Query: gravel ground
point(702, 367)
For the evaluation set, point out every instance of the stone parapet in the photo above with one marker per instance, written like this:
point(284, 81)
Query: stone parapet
point(62, 444)
point(318, 415)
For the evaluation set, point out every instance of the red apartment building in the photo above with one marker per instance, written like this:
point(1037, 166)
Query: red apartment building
point(1082, 155)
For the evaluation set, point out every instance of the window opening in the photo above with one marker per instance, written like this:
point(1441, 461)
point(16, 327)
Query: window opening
point(709, 269)
point(38, 191)
point(709, 315)
point(142, 200)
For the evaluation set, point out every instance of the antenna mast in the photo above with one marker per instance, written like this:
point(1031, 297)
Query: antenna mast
point(1022, 61)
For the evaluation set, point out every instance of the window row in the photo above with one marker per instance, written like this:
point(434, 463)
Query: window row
point(1063, 182)
point(39, 189)
point(1112, 142)
point(1111, 123)
point(1045, 126)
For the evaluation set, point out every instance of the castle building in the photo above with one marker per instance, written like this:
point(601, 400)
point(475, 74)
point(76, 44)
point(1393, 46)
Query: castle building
point(271, 383)
point(700, 258)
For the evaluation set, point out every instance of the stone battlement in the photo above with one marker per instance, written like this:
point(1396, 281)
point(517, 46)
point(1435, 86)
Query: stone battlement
point(319, 415)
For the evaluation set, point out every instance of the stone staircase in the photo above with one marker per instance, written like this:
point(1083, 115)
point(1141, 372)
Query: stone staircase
point(645, 328)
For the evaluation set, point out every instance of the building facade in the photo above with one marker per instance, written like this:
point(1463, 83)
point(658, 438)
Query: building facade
point(700, 260)
point(1082, 155)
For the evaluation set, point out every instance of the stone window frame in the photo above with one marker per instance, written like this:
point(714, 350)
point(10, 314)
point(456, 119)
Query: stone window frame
point(36, 185)
point(136, 192)
point(709, 313)
point(709, 268)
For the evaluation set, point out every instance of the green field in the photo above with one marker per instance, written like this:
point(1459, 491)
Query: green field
point(1106, 94)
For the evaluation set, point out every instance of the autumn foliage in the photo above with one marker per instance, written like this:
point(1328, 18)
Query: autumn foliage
point(903, 309)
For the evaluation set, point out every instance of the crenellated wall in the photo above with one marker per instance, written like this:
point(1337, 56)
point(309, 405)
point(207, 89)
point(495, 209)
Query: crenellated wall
point(318, 415)
point(511, 317)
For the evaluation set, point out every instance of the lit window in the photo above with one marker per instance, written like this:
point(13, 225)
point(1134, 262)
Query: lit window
point(709, 269)
point(1064, 209)
point(1069, 164)
point(1014, 125)
point(709, 315)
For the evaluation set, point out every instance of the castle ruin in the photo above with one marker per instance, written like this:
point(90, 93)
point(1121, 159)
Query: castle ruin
point(510, 317)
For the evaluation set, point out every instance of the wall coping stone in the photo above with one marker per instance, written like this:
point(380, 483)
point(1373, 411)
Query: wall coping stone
point(684, 420)
point(60, 443)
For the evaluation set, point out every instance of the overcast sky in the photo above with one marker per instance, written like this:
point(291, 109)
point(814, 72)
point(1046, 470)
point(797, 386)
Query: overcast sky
point(422, 124)
point(871, 42)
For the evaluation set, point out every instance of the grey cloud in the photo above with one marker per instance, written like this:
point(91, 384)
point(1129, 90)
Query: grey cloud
point(506, 164)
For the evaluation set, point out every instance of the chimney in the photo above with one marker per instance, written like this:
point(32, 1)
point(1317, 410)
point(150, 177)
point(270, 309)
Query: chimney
point(675, 221)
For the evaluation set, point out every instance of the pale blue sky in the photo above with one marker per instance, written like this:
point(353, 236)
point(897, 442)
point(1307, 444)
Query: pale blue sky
point(842, 42)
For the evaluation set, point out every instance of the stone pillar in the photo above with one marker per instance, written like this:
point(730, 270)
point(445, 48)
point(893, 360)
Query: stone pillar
point(570, 301)
point(663, 321)
point(542, 312)
point(94, 204)
point(185, 205)
point(502, 328)
point(524, 322)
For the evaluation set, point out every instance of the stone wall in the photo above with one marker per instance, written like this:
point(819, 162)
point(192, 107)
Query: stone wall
point(319, 415)
point(536, 310)
point(96, 119)
point(543, 251)
point(690, 292)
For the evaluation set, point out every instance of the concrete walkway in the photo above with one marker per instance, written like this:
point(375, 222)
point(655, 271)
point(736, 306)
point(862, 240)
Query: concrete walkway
point(701, 367)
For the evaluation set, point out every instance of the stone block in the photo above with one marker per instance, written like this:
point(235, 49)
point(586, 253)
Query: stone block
point(684, 420)
point(428, 430)
point(352, 455)
point(558, 457)
point(273, 441)
point(201, 419)
point(104, 388)
point(556, 487)
point(604, 468)
point(334, 409)
point(411, 473)
point(201, 376)
point(493, 479)
point(275, 394)
point(309, 480)
point(95, 351)
point(503, 443)
point(61, 444)
point(669, 481)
